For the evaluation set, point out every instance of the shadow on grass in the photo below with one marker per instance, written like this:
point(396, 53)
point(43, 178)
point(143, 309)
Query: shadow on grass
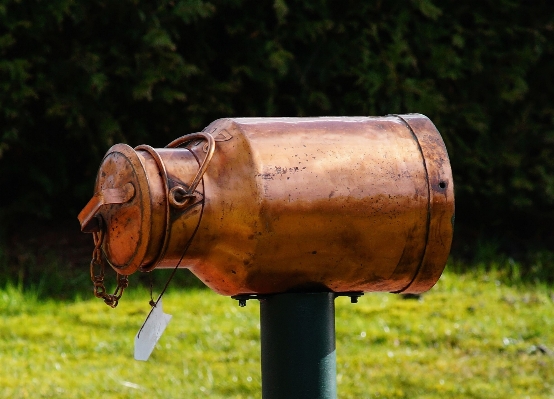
point(532, 268)
point(55, 265)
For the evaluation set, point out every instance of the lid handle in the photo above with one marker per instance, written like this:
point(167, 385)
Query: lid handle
point(107, 196)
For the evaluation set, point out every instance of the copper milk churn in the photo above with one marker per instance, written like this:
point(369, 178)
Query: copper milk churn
point(270, 205)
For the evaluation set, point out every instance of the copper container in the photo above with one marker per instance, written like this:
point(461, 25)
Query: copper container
point(268, 205)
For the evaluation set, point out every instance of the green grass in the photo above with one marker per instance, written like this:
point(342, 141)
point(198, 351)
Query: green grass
point(474, 335)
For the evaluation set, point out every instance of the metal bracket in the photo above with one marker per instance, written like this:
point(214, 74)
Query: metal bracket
point(242, 298)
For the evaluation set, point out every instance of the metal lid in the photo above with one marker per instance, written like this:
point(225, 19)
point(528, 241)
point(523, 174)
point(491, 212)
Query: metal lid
point(122, 202)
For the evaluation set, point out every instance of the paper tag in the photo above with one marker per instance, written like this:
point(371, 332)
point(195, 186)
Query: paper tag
point(150, 332)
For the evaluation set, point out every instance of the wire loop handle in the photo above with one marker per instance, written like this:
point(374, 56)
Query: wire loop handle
point(179, 196)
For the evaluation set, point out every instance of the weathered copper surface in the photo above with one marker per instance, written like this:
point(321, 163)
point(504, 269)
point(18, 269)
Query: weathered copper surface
point(284, 204)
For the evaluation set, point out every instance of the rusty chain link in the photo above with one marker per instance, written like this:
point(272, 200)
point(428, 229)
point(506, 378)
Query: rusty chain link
point(111, 300)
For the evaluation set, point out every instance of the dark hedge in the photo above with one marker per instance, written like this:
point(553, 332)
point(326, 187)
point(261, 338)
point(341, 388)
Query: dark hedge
point(79, 76)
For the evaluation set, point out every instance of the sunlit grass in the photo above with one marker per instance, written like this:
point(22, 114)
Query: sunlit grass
point(472, 336)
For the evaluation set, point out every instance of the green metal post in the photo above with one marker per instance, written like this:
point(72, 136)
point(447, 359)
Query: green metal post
point(298, 346)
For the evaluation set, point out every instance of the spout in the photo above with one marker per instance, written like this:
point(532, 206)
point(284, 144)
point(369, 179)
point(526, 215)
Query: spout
point(89, 223)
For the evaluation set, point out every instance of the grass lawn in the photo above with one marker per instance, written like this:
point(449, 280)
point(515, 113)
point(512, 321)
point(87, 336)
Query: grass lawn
point(471, 336)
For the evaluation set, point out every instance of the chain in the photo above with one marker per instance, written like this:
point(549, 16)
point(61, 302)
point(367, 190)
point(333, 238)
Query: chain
point(98, 279)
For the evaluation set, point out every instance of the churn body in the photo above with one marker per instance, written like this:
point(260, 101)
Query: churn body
point(289, 204)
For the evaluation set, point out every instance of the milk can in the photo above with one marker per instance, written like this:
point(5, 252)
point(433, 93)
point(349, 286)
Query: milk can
point(273, 205)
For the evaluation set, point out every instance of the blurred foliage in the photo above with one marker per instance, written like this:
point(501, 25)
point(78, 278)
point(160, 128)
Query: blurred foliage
point(79, 76)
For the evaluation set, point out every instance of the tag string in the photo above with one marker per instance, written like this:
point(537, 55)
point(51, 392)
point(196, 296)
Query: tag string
point(153, 303)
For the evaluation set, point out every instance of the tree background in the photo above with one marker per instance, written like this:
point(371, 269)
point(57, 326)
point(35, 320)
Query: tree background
point(79, 76)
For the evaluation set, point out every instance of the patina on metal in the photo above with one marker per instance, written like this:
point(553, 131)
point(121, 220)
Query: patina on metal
point(272, 205)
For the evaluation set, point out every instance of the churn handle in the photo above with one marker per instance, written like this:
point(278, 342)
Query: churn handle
point(211, 148)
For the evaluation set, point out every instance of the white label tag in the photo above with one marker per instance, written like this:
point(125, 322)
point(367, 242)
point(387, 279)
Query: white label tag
point(150, 332)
